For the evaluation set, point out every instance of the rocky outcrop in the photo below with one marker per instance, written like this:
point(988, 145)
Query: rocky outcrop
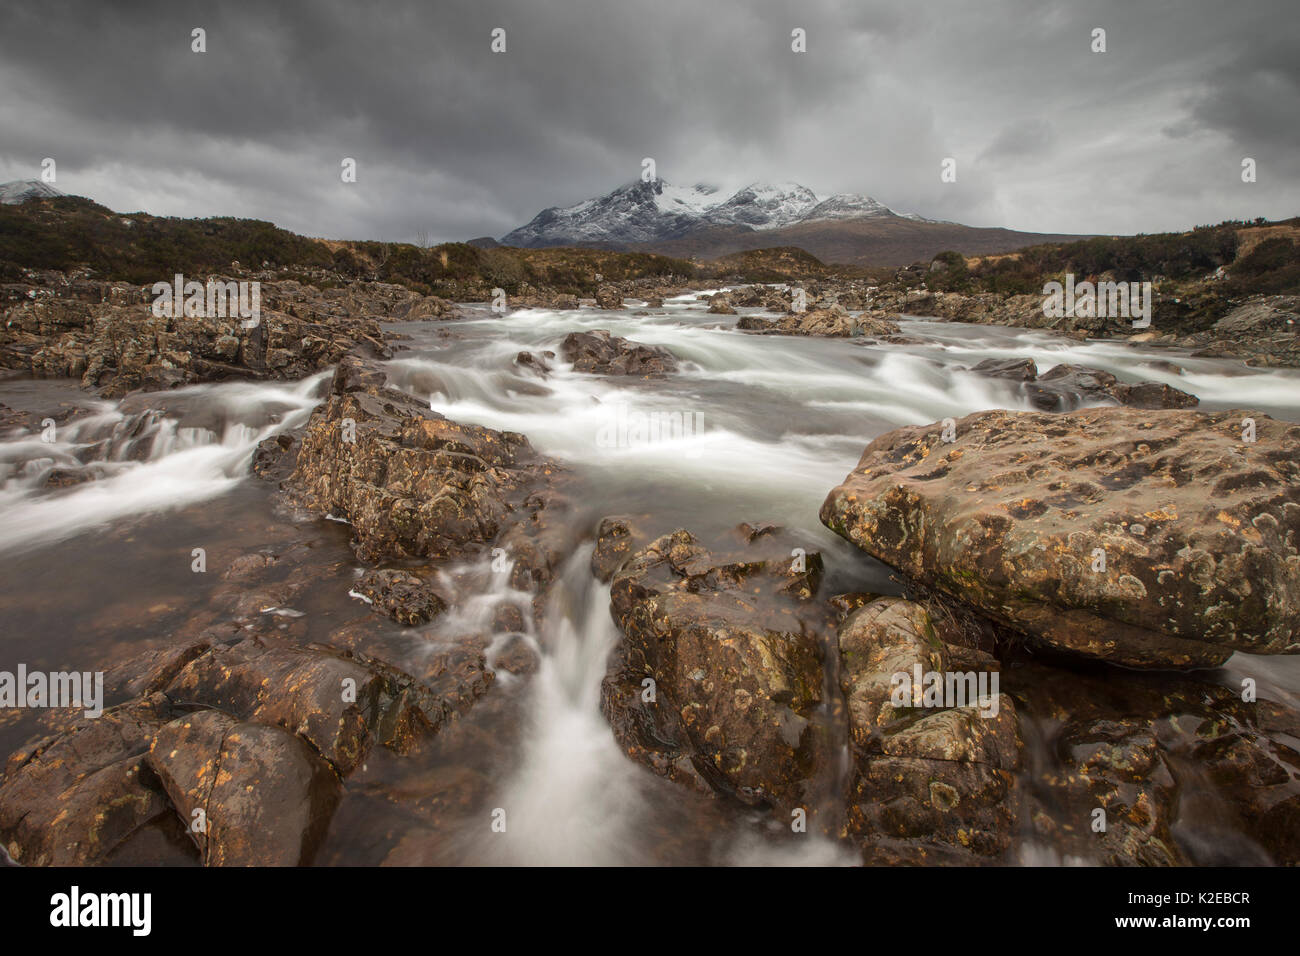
point(412, 483)
point(1148, 538)
point(1264, 331)
point(107, 335)
point(1066, 387)
point(718, 680)
point(600, 353)
point(240, 747)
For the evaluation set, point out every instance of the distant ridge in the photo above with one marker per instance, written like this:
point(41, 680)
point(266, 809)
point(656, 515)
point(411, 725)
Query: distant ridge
point(701, 222)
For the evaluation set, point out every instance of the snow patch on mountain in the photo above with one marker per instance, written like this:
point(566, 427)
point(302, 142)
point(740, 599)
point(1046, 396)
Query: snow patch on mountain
point(21, 190)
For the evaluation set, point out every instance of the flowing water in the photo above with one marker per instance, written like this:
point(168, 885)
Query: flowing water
point(751, 428)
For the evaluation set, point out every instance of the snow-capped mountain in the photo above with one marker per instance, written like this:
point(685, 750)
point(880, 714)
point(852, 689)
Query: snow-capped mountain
point(21, 190)
point(652, 212)
point(764, 206)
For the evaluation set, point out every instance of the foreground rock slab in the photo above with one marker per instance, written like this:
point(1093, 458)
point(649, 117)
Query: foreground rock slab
point(1147, 538)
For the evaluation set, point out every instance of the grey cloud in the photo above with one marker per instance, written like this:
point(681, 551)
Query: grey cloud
point(454, 139)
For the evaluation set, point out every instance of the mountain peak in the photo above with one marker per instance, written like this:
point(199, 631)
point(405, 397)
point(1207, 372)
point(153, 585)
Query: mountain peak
point(21, 190)
point(640, 212)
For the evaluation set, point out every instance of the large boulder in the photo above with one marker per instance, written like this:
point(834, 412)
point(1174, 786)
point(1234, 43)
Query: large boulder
point(599, 352)
point(1148, 538)
point(720, 304)
point(718, 680)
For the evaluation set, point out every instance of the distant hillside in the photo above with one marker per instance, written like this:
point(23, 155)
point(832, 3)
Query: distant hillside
point(892, 241)
point(71, 233)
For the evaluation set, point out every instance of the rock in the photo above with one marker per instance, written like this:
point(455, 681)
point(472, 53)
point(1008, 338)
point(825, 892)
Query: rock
point(405, 597)
point(534, 363)
point(930, 784)
point(735, 657)
point(1185, 771)
point(1016, 370)
point(601, 353)
point(109, 337)
point(259, 795)
point(833, 322)
point(412, 483)
point(340, 706)
point(75, 798)
point(608, 297)
point(1066, 387)
point(721, 305)
point(1199, 529)
point(616, 539)
point(564, 303)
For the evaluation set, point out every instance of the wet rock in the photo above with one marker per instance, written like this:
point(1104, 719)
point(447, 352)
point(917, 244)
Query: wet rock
point(617, 537)
point(1016, 370)
point(535, 363)
point(1198, 528)
point(731, 648)
point(1185, 771)
point(1066, 387)
point(340, 706)
point(415, 484)
point(75, 798)
point(603, 354)
point(934, 781)
point(405, 597)
point(834, 322)
point(274, 458)
point(252, 795)
point(720, 304)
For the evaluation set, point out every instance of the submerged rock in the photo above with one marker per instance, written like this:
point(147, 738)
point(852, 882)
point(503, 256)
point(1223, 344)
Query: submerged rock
point(1148, 538)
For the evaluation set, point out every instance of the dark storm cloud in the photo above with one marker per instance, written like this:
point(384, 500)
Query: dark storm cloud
point(453, 139)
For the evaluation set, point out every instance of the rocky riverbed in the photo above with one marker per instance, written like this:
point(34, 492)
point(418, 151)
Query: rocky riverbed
point(634, 581)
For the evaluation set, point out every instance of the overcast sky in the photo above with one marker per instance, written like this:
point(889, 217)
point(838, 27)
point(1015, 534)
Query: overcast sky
point(453, 139)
